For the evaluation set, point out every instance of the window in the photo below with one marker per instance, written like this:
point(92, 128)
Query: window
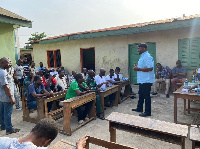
point(53, 58)
point(189, 52)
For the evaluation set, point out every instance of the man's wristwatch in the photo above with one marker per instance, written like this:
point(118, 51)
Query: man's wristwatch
point(138, 69)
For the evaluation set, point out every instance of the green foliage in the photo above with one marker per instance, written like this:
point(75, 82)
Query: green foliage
point(36, 36)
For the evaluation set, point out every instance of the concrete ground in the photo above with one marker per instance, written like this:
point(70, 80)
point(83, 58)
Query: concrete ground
point(162, 109)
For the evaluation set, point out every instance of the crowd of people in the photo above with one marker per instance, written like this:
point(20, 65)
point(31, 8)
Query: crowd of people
point(27, 81)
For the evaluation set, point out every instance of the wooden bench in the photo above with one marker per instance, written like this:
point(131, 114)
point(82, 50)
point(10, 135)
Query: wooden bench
point(62, 144)
point(72, 103)
point(42, 109)
point(109, 91)
point(195, 137)
point(160, 130)
point(105, 144)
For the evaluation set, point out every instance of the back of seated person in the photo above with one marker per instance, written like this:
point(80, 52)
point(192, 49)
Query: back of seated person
point(179, 74)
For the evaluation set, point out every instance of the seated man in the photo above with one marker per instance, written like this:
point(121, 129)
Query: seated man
point(91, 83)
point(41, 135)
point(163, 75)
point(85, 73)
point(41, 67)
point(53, 72)
point(50, 82)
point(102, 84)
point(72, 77)
point(27, 81)
point(61, 80)
point(35, 90)
point(111, 78)
point(73, 91)
point(119, 77)
point(179, 74)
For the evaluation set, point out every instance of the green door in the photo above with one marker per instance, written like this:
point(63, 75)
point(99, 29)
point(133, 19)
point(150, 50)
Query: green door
point(134, 57)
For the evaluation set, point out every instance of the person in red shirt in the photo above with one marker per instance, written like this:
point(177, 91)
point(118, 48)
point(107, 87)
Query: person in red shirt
point(50, 82)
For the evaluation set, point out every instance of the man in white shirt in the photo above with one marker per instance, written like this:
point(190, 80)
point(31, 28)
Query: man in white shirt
point(19, 71)
point(102, 84)
point(61, 80)
point(85, 73)
point(110, 78)
point(101, 80)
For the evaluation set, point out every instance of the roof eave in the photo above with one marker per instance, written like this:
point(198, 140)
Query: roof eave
point(131, 30)
point(9, 20)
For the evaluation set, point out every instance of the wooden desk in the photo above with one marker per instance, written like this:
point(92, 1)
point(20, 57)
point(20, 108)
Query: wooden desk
point(42, 110)
point(160, 130)
point(105, 144)
point(183, 95)
point(195, 136)
point(109, 91)
point(73, 103)
point(126, 94)
point(63, 144)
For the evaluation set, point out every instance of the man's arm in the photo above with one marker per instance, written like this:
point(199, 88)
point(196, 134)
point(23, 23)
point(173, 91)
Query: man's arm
point(8, 93)
point(79, 93)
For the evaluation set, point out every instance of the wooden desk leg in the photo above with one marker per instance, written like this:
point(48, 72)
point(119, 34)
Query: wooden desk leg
point(112, 133)
point(184, 106)
point(40, 109)
point(67, 118)
point(127, 90)
point(115, 102)
point(102, 101)
point(193, 144)
point(175, 108)
point(92, 112)
point(183, 143)
point(119, 91)
point(188, 106)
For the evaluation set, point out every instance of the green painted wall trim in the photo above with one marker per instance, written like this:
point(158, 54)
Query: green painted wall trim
point(134, 30)
point(13, 21)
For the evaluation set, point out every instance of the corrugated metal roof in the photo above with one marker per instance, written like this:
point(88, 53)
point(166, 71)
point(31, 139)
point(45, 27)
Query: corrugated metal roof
point(126, 26)
point(10, 14)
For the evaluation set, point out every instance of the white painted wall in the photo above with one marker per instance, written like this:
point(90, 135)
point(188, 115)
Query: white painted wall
point(112, 51)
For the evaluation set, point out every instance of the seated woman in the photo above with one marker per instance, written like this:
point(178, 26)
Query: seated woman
point(73, 91)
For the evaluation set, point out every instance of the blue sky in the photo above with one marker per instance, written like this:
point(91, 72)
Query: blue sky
point(69, 16)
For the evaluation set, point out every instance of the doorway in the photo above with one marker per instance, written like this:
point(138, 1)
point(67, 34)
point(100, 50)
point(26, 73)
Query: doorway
point(134, 57)
point(87, 58)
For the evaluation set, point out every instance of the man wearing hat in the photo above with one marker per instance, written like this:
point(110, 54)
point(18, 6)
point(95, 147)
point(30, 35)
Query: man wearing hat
point(145, 78)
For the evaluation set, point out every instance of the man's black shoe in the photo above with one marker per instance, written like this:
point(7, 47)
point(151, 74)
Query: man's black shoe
point(101, 116)
point(144, 114)
point(136, 110)
point(154, 93)
point(167, 95)
point(132, 97)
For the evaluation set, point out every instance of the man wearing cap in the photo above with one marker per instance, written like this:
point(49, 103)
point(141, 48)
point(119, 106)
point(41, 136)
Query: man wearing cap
point(145, 78)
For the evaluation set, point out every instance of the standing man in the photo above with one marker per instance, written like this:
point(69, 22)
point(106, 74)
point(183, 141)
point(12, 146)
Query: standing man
point(145, 78)
point(163, 74)
point(179, 74)
point(6, 98)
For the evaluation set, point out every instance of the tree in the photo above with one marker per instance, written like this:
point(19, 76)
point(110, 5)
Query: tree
point(36, 36)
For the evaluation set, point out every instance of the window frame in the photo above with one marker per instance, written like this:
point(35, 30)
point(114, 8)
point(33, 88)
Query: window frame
point(54, 58)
